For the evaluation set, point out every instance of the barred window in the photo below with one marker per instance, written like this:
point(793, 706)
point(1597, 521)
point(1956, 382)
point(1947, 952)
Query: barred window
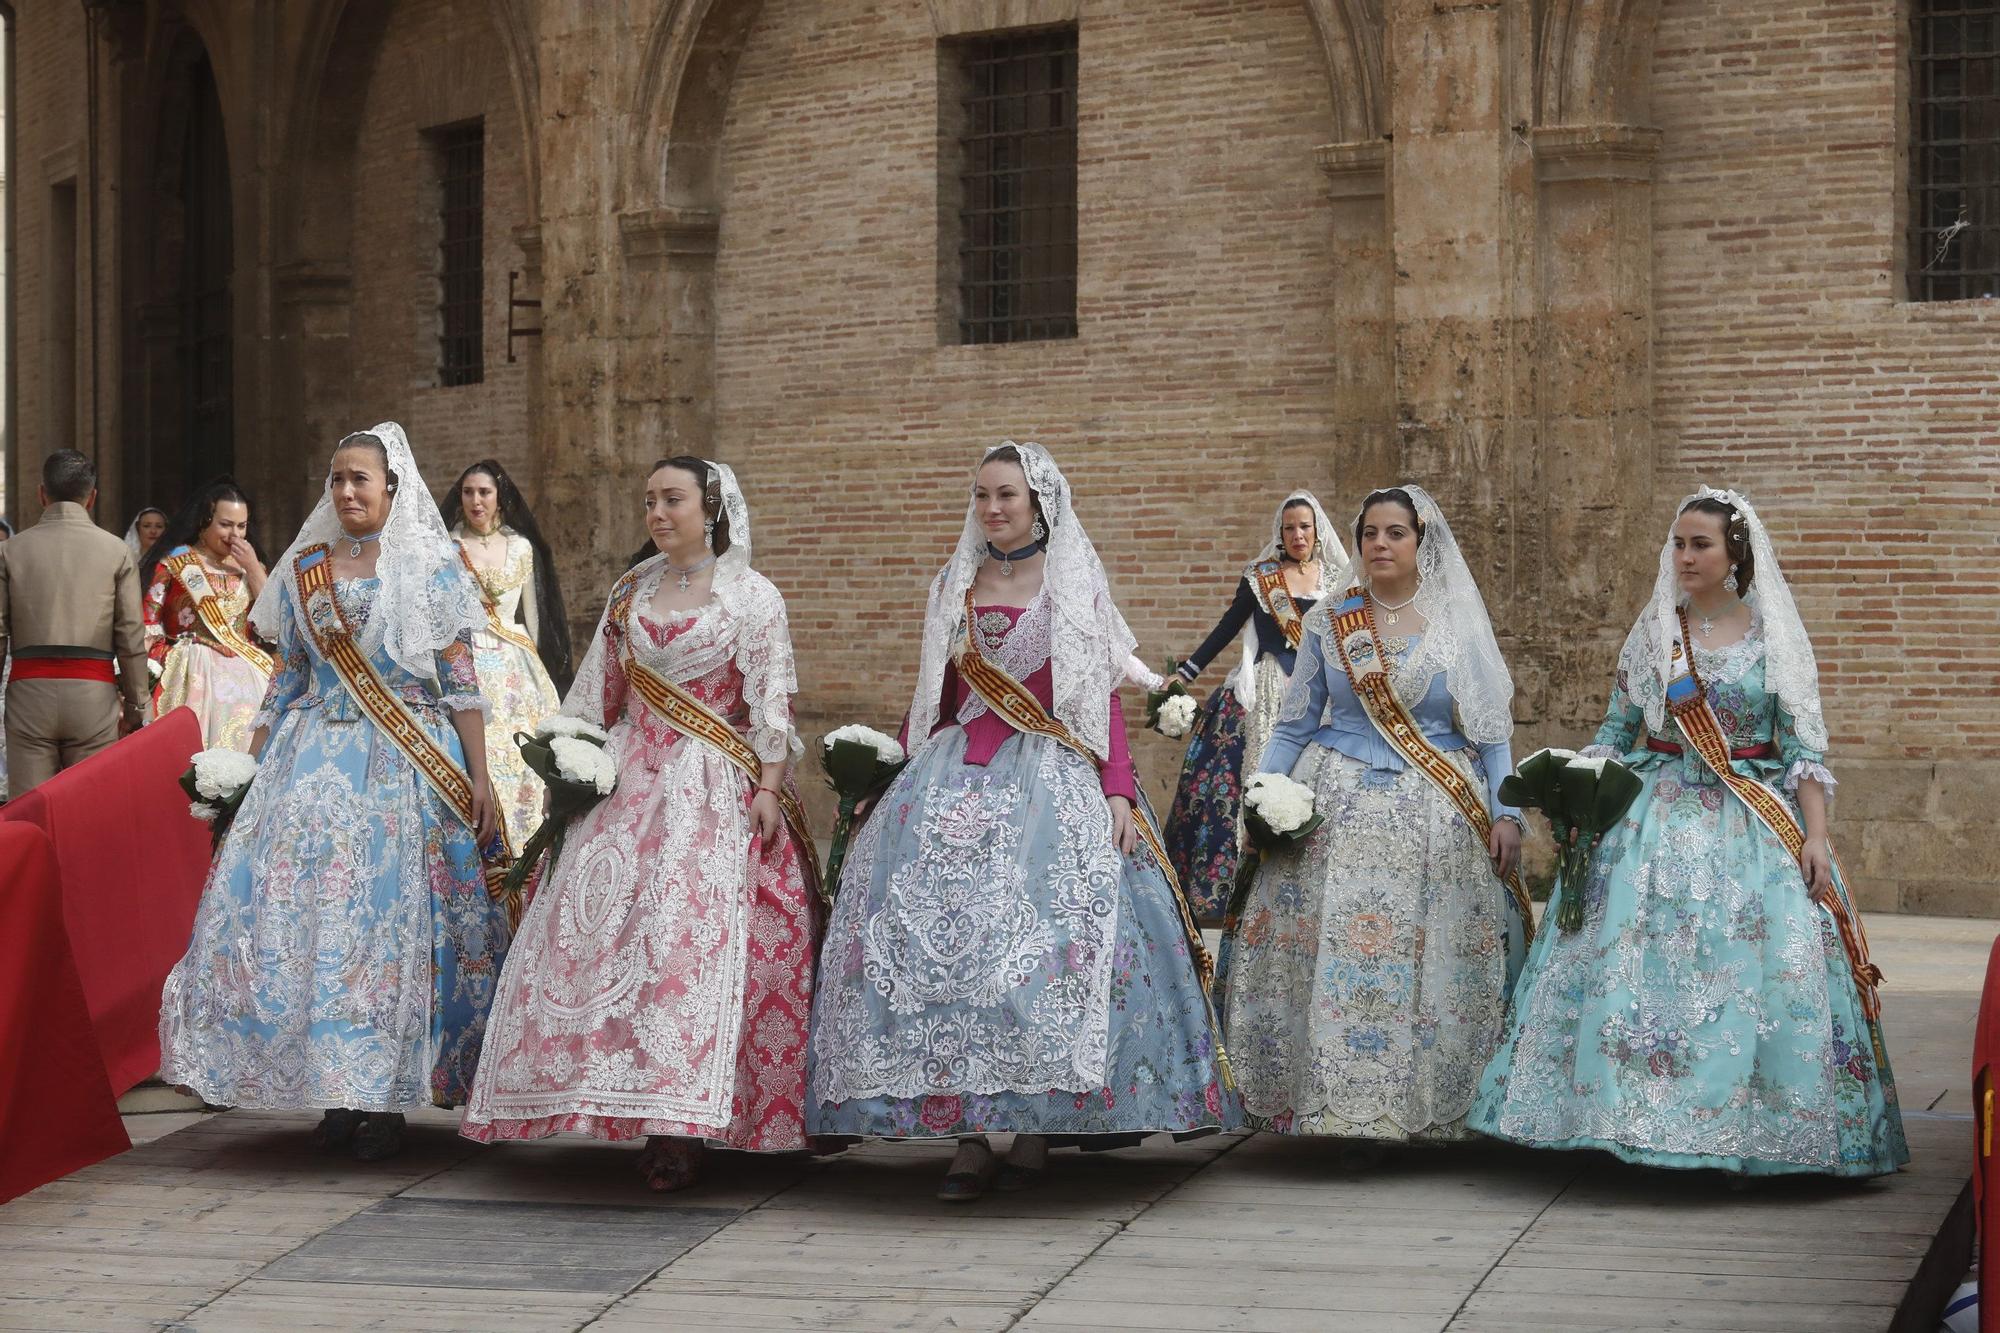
point(1013, 121)
point(1955, 149)
point(461, 161)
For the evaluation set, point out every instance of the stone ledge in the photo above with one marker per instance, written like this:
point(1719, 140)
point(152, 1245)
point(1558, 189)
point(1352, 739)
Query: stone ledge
point(1594, 152)
point(653, 234)
point(959, 18)
point(1355, 170)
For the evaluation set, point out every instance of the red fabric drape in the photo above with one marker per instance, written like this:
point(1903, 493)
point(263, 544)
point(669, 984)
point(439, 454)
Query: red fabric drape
point(132, 863)
point(57, 1111)
point(1986, 1143)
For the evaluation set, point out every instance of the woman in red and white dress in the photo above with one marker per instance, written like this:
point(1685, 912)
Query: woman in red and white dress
point(661, 981)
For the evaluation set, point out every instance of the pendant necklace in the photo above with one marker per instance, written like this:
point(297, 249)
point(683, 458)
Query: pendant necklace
point(1707, 625)
point(354, 544)
point(1392, 610)
point(1007, 558)
point(683, 575)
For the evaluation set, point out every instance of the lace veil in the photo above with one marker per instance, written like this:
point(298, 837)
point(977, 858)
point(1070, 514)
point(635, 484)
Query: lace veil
point(1335, 569)
point(1091, 644)
point(1790, 670)
point(1458, 636)
point(426, 599)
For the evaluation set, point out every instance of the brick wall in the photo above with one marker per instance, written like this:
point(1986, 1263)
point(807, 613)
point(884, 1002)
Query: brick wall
point(1200, 387)
point(1788, 364)
point(439, 63)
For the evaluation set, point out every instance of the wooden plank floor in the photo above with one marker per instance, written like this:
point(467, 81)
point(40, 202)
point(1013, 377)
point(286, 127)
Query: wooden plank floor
point(230, 1222)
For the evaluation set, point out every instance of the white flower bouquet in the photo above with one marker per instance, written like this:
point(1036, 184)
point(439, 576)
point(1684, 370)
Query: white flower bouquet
point(1583, 799)
point(1277, 814)
point(568, 755)
point(860, 763)
point(1170, 710)
point(216, 782)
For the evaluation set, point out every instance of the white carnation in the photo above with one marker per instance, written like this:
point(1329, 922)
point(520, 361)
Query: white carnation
point(1593, 765)
point(561, 725)
point(1177, 716)
point(581, 762)
point(204, 812)
point(1284, 805)
point(220, 774)
point(1555, 750)
point(885, 747)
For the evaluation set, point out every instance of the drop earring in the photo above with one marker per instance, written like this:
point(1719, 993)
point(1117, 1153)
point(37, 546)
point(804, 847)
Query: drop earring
point(708, 533)
point(1730, 582)
point(1041, 533)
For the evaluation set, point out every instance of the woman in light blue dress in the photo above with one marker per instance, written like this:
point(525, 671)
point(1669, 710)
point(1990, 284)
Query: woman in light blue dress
point(1366, 971)
point(1714, 1010)
point(345, 949)
point(1005, 953)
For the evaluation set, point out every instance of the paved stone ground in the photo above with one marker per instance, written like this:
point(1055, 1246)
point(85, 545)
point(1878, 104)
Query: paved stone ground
point(229, 1222)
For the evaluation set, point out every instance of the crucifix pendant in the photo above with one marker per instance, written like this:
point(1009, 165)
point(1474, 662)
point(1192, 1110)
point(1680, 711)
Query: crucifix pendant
point(1707, 628)
point(1006, 569)
point(683, 583)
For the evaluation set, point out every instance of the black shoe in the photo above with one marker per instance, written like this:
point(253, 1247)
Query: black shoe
point(335, 1128)
point(379, 1137)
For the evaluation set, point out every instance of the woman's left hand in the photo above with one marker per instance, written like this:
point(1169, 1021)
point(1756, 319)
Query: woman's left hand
point(485, 815)
point(766, 818)
point(1503, 844)
point(1124, 828)
point(1816, 864)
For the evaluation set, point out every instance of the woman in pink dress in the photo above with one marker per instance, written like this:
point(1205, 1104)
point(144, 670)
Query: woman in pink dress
point(660, 982)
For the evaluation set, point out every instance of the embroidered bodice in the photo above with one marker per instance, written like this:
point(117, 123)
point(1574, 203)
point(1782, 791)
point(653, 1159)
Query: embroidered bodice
point(1321, 708)
point(510, 584)
point(1733, 678)
point(734, 657)
point(1018, 639)
point(170, 613)
point(304, 679)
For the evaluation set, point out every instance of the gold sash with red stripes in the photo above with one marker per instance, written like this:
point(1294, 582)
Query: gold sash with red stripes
point(691, 717)
point(1270, 582)
point(1687, 702)
point(186, 569)
point(493, 622)
point(1016, 705)
point(335, 640)
point(1379, 701)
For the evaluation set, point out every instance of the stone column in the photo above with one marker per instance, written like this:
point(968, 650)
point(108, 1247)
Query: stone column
point(1365, 452)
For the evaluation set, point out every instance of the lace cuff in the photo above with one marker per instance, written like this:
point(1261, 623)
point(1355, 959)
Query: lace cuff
point(1802, 769)
point(1599, 752)
point(467, 703)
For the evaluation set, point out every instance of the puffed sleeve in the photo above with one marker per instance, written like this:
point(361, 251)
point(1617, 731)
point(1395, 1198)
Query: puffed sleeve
point(1304, 705)
point(770, 679)
point(1800, 760)
point(293, 673)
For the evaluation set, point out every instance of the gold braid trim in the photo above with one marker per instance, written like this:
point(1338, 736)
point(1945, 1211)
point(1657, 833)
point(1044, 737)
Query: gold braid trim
point(335, 640)
point(1379, 701)
point(1703, 729)
point(493, 622)
point(1270, 576)
point(186, 569)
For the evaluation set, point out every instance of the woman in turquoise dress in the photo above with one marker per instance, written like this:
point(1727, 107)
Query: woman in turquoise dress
point(1716, 1008)
point(345, 949)
point(1365, 974)
point(1006, 952)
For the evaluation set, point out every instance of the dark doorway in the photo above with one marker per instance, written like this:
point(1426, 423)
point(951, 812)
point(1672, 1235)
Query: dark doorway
point(207, 436)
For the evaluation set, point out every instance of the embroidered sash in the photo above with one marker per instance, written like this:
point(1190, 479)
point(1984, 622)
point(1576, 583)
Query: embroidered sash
point(1017, 705)
point(1688, 702)
point(511, 633)
point(691, 717)
point(334, 638)
point(1269, 576)
point(186, 570)
point(1379, 701)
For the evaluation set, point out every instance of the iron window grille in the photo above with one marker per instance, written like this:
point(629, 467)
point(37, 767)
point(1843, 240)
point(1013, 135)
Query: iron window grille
point(1017, 186)
point(461, 158)
point(1955, 149)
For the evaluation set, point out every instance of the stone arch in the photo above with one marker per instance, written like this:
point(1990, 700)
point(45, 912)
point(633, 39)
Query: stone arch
point(1594, 61)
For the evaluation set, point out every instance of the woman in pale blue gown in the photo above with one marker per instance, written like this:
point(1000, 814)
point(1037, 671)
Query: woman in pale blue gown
point(345, 950)
point(1714, 1010)
point(1365, 973)
point(1005, 953)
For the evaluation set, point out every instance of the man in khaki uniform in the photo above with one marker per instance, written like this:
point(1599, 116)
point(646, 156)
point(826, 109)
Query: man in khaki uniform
point(69, 608)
